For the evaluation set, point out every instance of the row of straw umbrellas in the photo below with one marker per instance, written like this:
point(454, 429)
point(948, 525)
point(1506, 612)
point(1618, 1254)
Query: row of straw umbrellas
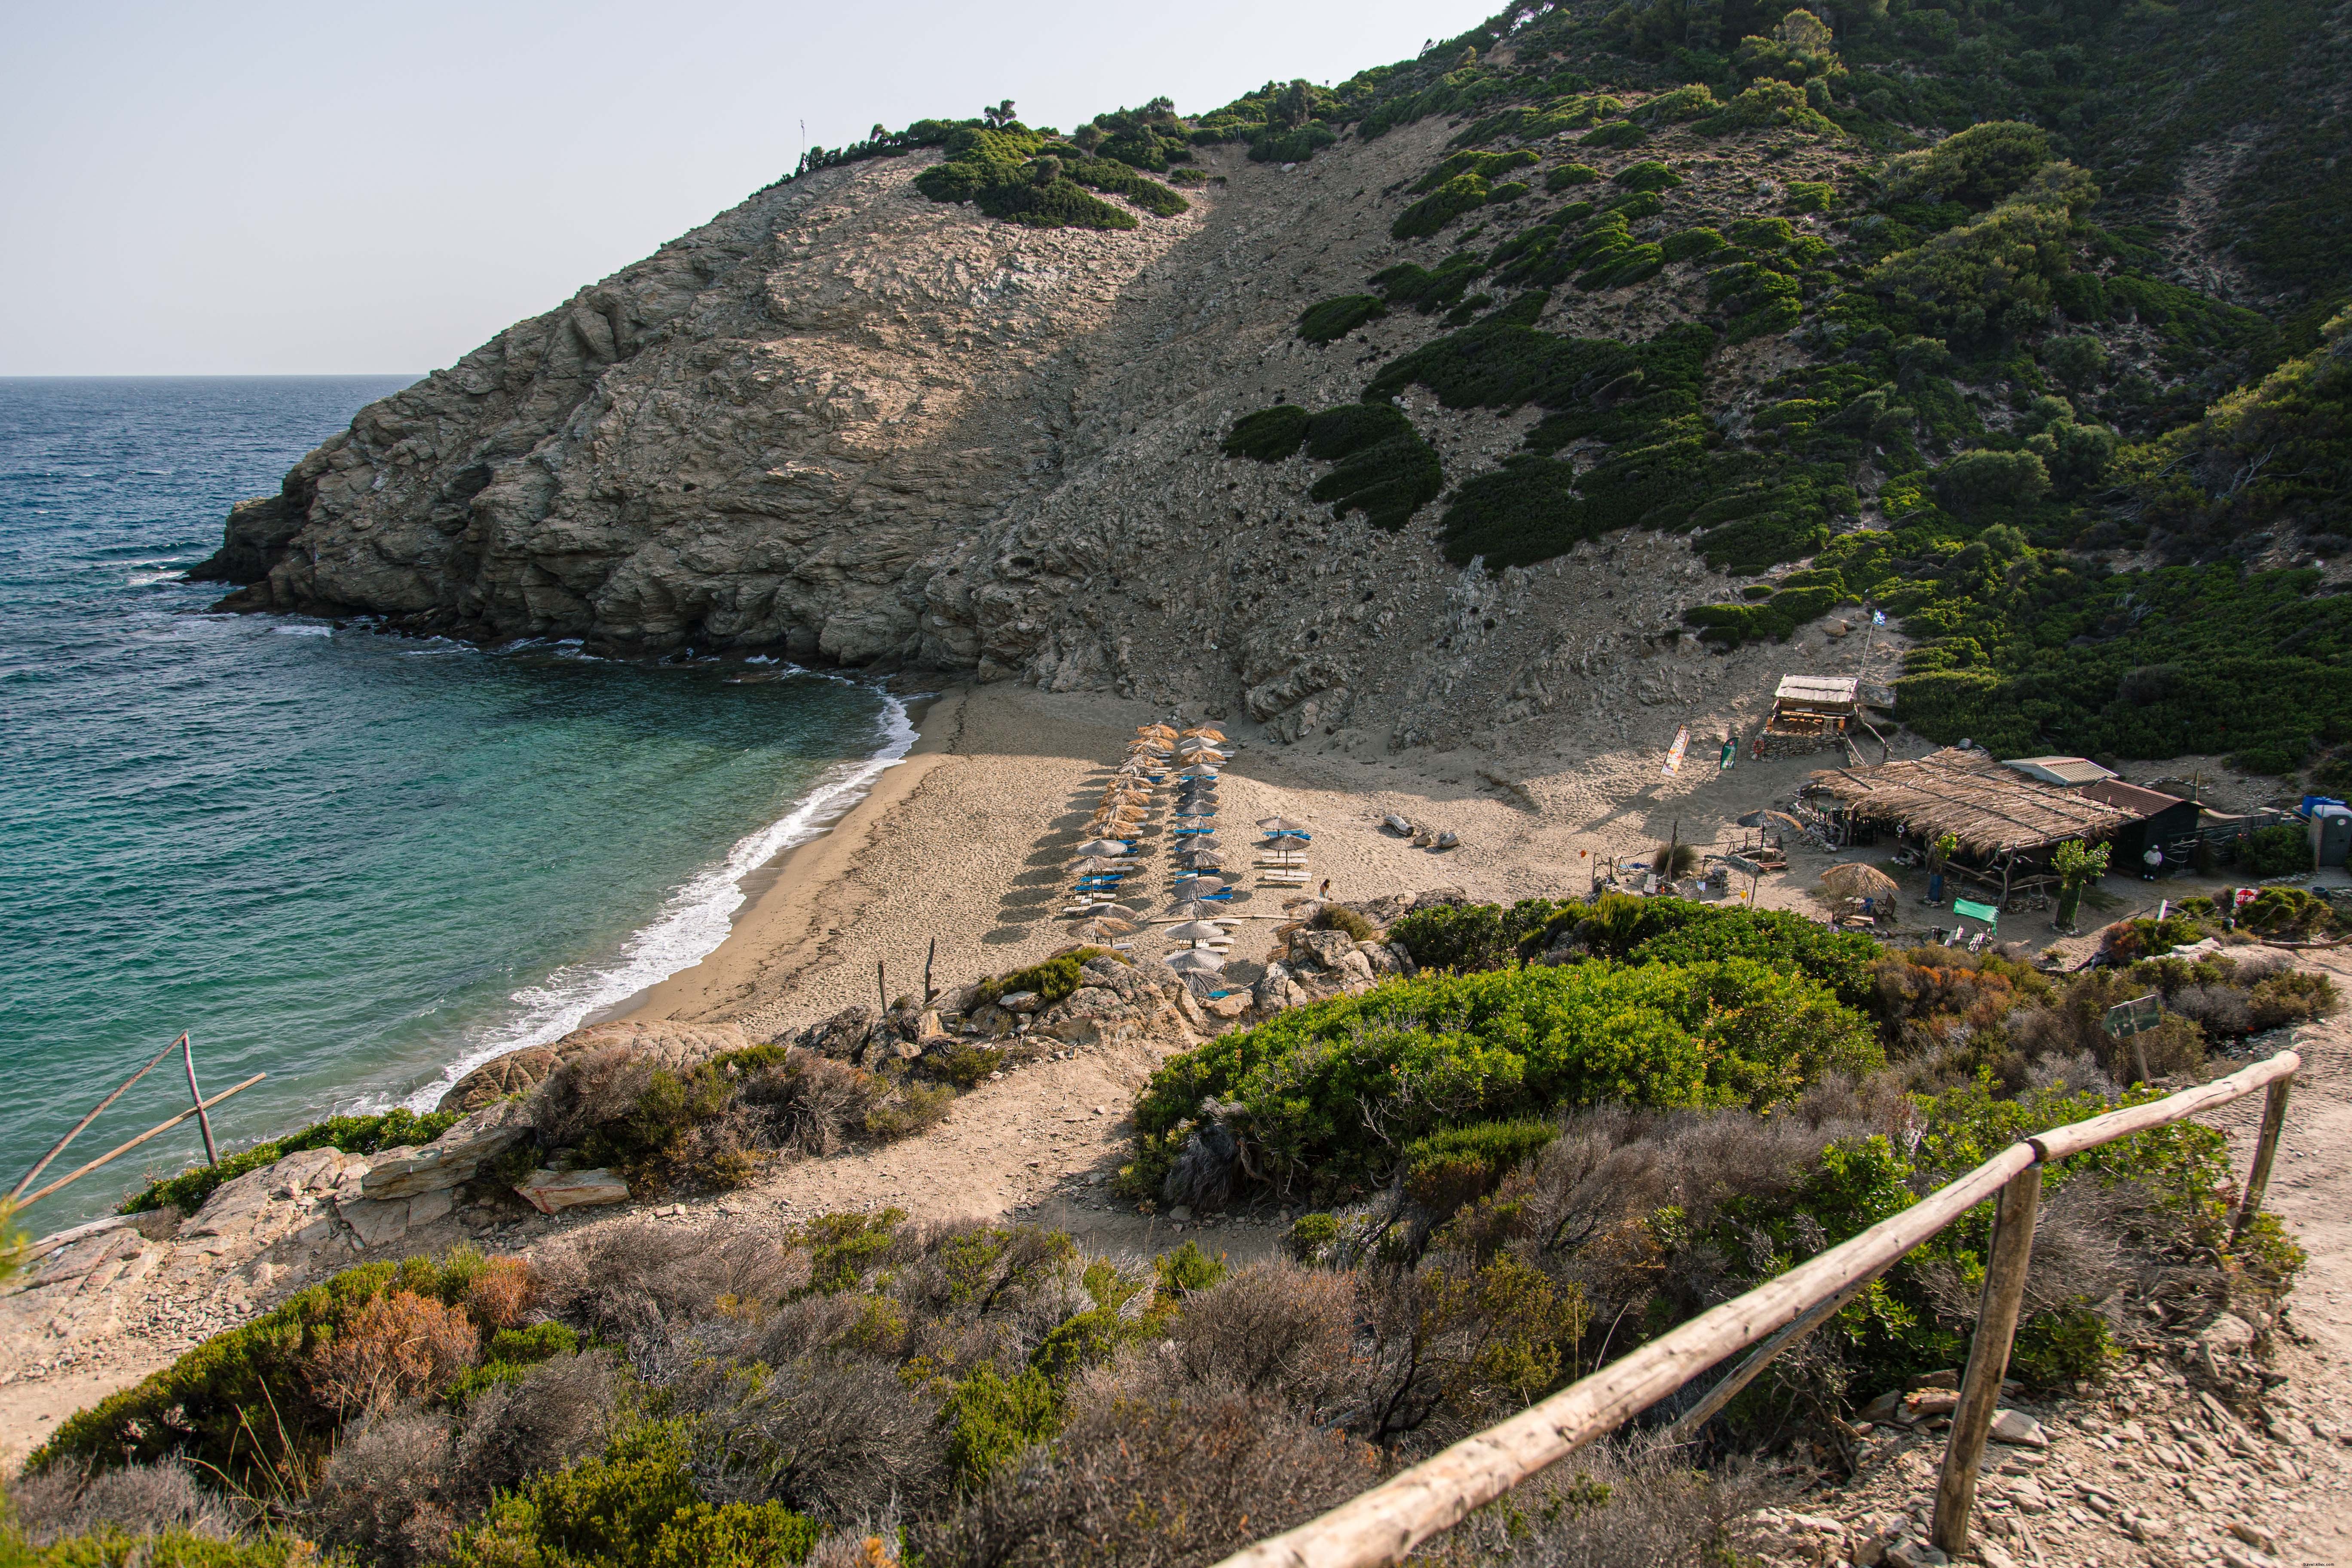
point(1107, 861)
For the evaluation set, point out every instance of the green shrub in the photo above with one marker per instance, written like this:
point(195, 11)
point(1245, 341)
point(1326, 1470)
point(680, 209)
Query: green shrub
point(916, 1108)
point(1646, 175)
point(992, 1422)
point(1616, 134)
point(1810, 196)
point(164, 1549)
point(1269, 435)
point(2288, 912)
point(1056, 980)
point(1335, 319)
point(1766, 105)
point(1485, 165)
point(1978, 167)
point(243, 1404)
point(397, 1128)
point(1185, 1270)
point(1568, 175)
point(1384, 470)
point(1975, 483)
point(1429, 292)
point(1508, 191)
point(1457, 1165)
point(510, 1353)
point(633, 1507)
point(1690, 244)
point(1692, 101)
point(2281, 849)
point(1330, 1092)
point(1460, 194)
point(1468, 937)
point(1013, 173)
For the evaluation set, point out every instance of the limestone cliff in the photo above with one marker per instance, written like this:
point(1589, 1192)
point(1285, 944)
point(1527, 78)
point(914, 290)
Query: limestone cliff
point(863, 427)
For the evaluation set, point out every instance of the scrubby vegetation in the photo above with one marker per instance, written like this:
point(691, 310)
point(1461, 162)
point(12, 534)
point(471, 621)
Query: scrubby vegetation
point(1010, 171)
point(1456, 1121)
point(1996, 385)
point(1382, 466)
point(352, 1134)
point(1582, 1123)
point(861, 1388)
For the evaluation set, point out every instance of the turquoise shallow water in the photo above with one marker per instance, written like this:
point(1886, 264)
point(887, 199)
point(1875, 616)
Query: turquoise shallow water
point(355, 862)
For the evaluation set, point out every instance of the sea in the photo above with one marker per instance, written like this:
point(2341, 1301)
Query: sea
point(355, 862)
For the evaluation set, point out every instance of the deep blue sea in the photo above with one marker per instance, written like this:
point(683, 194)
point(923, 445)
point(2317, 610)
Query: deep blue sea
point(356, 862)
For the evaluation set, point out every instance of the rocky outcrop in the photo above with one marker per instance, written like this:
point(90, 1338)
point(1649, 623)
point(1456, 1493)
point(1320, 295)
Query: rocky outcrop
point(853, 424)
point(665, 1043)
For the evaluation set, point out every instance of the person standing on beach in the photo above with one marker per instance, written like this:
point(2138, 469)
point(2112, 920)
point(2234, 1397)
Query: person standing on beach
point(1324, 892)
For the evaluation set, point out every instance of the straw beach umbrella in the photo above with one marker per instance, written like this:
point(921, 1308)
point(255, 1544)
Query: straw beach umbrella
point(1102, 847)
point(1193, 960)
point(1102, 929)
point(1202, 859)
point(1194, 909)
point(1281, 825)
point(1196, 930)
point(1855, 880)
point(1103, 908)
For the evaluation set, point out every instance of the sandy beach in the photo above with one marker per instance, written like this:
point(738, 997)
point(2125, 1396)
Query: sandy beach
point(966, 843)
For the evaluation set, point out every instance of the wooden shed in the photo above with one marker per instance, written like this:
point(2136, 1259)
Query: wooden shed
point(2007, 823)
point(2165, 820)
point(1812, 714)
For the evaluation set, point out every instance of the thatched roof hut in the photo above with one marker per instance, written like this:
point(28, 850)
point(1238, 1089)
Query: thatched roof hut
point(2007, 823)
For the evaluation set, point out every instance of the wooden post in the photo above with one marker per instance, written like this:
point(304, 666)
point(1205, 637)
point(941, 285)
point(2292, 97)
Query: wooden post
point(1763, 1357)
point(2265, 1152)
point(154, 1131)
point(58, 1147)
point(929, 954)
point(188, 1052)
point(1997, 1311)
point(881, 987)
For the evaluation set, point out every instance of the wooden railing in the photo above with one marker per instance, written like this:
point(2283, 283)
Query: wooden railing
point(1381, 1525)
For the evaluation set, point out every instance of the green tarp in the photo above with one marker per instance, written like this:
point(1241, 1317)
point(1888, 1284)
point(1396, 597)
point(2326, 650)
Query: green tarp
point(1977, 911)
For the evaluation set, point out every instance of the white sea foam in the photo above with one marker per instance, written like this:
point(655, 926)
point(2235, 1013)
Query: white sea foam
point(693, 922)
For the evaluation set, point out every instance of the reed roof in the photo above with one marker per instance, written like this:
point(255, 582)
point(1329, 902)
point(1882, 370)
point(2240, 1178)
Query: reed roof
point(1989, 809)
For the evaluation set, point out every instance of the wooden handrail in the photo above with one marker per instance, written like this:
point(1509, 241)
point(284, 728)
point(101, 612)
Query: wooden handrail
point(156, 1130)
point(1381, 1525)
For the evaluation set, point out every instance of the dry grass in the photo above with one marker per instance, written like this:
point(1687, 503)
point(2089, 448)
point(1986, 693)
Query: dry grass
point(135, 1500)
point(1164, 1484)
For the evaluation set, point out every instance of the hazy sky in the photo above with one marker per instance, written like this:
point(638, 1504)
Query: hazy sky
point(263, 188)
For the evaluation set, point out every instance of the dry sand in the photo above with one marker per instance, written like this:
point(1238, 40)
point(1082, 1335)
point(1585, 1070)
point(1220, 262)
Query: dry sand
point(967, 842)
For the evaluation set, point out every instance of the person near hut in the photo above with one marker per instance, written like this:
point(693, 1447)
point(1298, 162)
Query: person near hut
point(2151, 863)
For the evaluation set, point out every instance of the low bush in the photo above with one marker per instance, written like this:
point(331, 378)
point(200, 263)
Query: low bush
point(1335, 319)
point(1055, 979)
point(1468, 937)
point(1649, 174)
point(634, 1506)
point(1566, 175)
point(1616, 134)
point(1010, 171)
point(1426, 290)
point(260, 1403)
point(1325, 1095)
point(352, 1134)
point(1383, 468)
point(2281, 849)
point(1462, 194)
point(2287, 911)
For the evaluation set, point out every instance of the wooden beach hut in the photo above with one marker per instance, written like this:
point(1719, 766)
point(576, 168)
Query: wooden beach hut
point(2008, 824)
point(1812, 714)
point(2165, 821)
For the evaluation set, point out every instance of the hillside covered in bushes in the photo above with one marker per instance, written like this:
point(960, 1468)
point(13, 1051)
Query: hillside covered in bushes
point(1577, 1126)
point(2092, 494)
